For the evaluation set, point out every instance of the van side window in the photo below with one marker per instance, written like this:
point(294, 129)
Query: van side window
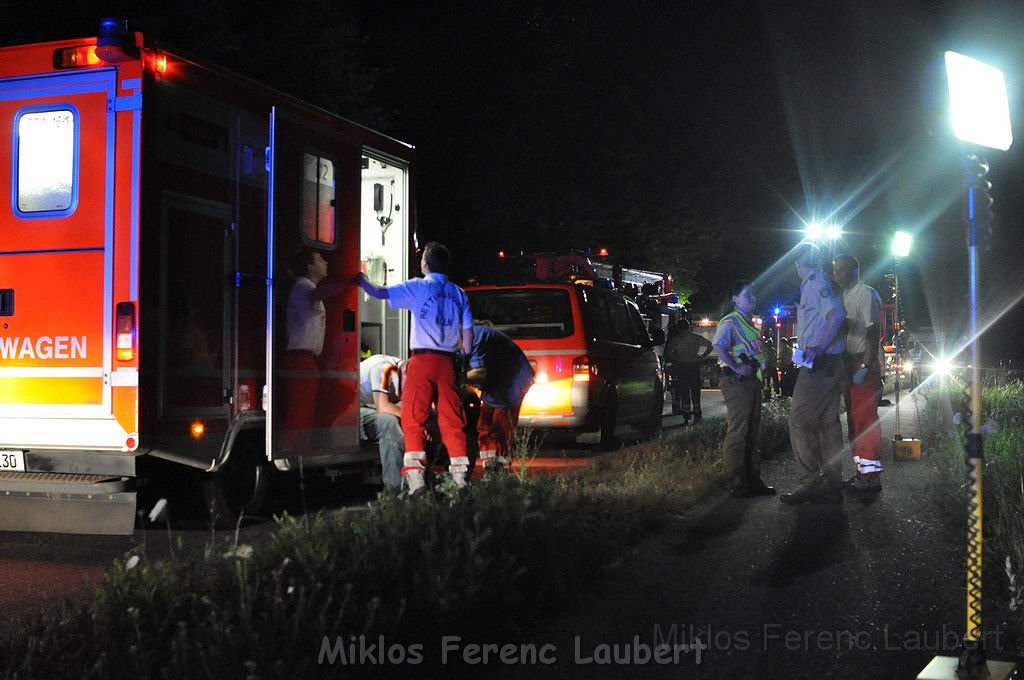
point(596, 309)
point(318, 200)
point(46, 161)
point(622, 330)
point(640, 334)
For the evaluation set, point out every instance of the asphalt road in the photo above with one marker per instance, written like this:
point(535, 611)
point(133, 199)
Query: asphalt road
point(756, 589)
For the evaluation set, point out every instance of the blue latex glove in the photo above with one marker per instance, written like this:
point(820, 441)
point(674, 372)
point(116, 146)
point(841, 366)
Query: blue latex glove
point(860, 376)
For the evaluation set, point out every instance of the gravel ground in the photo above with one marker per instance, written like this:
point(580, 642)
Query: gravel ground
point(755, 589)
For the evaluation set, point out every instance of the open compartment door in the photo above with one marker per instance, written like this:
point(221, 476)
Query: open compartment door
point(312, 396)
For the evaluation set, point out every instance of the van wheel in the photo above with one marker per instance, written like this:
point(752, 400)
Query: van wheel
point(237, 490)
point(609, 416)
point(651, 428)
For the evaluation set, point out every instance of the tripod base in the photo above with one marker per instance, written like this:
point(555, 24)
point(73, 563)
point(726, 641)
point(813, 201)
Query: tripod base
point(944, 668)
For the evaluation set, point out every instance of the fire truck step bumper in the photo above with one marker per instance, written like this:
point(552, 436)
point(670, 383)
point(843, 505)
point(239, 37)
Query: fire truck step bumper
point(67, 503)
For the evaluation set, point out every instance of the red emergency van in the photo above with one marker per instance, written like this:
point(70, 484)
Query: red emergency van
point(154, 204)
point(592, 350)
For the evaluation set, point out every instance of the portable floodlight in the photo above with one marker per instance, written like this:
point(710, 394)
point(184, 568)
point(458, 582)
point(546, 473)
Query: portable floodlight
point(979, 106)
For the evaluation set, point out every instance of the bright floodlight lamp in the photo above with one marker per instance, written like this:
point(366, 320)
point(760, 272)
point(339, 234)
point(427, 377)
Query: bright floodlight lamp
point(901, 244)
point(943, 366)
point(833, 232)
point(978, 102)
point(815, 231)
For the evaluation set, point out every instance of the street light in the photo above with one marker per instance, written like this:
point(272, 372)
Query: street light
point(980, 117)
point(778, 329)
point(818, 233)
point(901, 242)
point(943, 366)
point(815, 231)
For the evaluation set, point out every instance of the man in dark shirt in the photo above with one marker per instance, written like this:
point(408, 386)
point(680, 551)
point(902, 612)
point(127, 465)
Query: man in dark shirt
point(503, 374)
point(685, 351)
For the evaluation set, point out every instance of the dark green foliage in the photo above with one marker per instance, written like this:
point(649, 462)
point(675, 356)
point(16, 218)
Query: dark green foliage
point(1003, 483)
point(509, 552)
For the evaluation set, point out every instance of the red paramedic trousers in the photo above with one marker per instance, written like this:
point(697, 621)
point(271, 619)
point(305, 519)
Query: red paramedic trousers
point(430, 378)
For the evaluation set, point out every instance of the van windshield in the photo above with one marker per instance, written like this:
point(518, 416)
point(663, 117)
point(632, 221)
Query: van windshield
point(525, 313)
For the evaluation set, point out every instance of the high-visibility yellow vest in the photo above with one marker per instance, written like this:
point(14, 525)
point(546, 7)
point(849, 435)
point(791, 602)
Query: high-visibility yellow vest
point(749, 341)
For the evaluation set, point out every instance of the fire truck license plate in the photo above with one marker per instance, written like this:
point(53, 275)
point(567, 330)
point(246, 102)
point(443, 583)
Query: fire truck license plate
point(12, 460)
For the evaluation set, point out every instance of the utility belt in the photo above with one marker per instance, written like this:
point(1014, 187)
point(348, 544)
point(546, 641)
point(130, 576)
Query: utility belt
point(434, 351)
point(734, 377)
point(828, 364)
point(459, 362)
point(854, 357)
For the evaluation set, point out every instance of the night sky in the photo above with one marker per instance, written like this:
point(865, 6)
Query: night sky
point(692, 137)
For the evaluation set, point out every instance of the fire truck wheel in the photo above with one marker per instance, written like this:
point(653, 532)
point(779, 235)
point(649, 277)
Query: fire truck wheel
point(609, 416)
point(237, 490)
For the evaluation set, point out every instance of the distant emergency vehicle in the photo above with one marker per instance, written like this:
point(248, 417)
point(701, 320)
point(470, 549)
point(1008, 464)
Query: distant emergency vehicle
point(591, 340)
point(154, 203)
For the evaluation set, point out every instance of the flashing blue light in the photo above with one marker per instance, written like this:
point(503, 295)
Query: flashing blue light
point(777, 311)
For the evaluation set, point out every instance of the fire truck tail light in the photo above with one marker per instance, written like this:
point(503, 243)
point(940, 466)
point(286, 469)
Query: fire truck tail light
point(197, 429)
point(245, 392)
point(125, 331)
point(75, 57)
point(581, 369)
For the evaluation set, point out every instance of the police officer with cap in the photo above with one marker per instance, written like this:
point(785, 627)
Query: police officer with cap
point(814, 429)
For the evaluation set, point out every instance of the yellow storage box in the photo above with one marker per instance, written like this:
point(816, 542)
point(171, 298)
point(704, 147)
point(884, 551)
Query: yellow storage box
point(906, 449)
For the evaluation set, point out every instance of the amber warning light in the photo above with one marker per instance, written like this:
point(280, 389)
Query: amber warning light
point(75, 57)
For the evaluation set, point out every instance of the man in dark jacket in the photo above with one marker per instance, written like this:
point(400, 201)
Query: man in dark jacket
point(685, 351)
point(503, 374)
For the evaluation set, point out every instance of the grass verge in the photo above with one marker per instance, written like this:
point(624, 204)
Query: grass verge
point(489, 562)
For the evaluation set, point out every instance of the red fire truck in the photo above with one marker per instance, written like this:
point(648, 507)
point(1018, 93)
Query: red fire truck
point(154, 204)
